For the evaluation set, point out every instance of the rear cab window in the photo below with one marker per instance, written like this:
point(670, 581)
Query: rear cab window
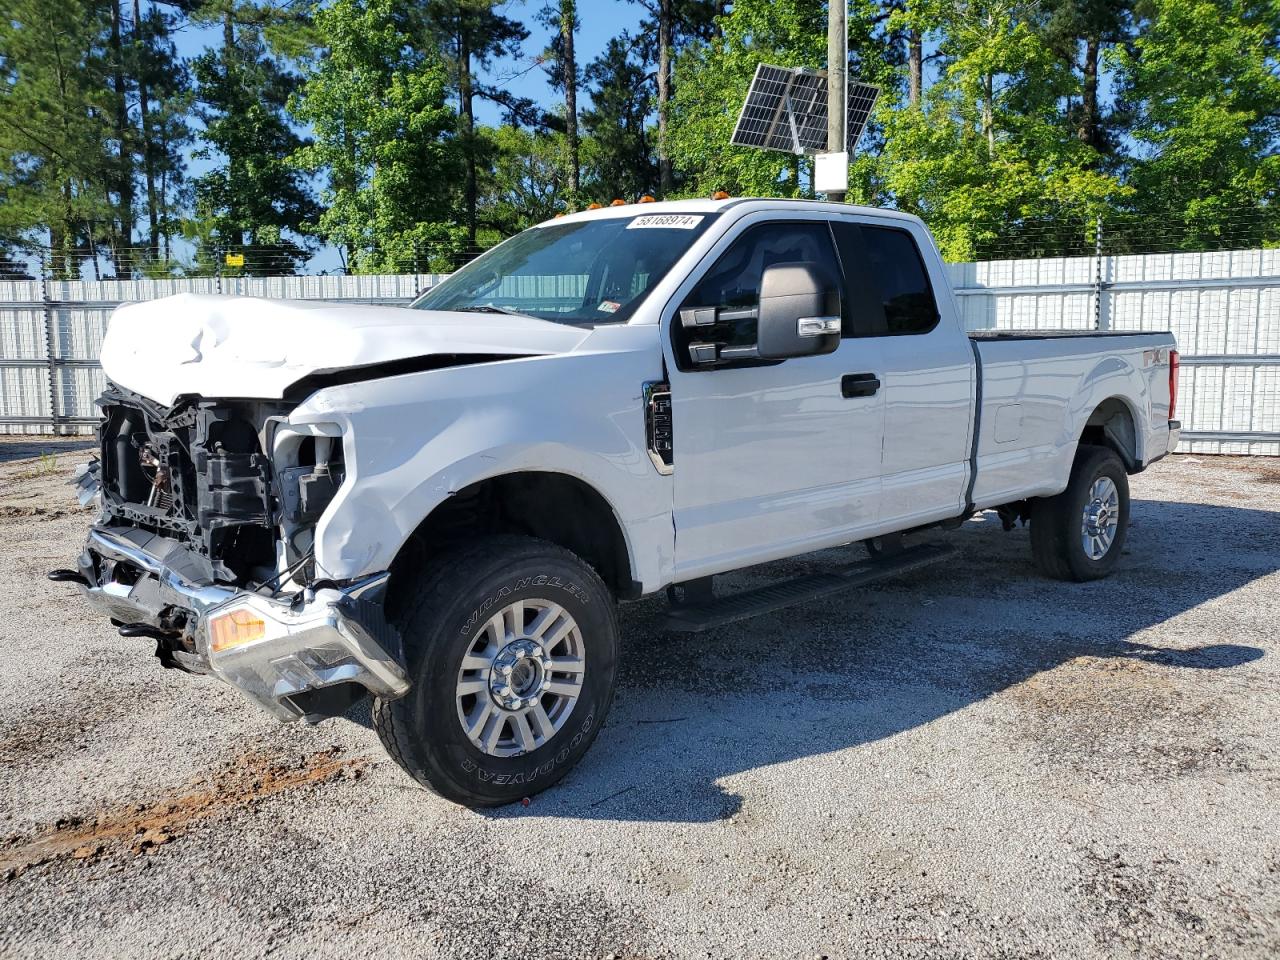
point(887, 287)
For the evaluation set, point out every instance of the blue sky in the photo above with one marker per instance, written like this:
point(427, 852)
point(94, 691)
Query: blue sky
point(599, 20)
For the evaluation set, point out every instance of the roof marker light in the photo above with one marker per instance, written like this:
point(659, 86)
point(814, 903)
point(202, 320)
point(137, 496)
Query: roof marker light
point(618, 203)
point(593, 206)
point(720, 195)
point(645, 199)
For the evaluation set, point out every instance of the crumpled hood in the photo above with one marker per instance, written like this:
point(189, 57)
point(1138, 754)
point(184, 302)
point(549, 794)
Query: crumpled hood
point(248, 347)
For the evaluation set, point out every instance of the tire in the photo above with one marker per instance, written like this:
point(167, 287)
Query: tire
point(468, 600)
point(1059, 524)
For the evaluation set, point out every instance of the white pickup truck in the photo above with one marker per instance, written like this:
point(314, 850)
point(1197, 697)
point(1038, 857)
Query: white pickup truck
point(441, 504)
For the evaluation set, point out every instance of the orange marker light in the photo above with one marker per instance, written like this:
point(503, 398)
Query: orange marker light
point(646, 199)
point(593, 206)
point(618, 203)
point(235, 629)
point(720, 195)
point(557, 216)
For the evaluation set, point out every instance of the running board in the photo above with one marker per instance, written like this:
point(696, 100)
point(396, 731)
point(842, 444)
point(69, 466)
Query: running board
point(707, 615)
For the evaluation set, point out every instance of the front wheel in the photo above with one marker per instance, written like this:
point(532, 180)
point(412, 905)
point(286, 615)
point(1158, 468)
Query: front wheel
point(512, 649)
point(1079, 534)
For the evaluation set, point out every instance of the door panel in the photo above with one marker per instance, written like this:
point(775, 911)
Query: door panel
point(928, 373)
point(770, 459)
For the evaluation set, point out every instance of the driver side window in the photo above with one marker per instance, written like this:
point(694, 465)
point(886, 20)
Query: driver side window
point(731, 287)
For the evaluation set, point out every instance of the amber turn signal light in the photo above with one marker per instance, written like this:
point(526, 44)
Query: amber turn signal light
point(235, 629)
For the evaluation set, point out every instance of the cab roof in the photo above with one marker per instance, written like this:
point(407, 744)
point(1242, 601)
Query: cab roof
point(742, 204)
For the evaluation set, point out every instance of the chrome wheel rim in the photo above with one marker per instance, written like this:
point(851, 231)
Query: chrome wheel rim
point(521, 678)
point(1101, 518)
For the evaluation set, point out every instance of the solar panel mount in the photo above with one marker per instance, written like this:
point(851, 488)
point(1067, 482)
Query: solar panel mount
point(786, 109)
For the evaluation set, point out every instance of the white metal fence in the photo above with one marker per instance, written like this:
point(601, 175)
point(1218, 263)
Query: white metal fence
point(1224, 308)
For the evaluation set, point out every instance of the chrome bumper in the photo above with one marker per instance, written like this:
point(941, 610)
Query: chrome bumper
point(312, 640)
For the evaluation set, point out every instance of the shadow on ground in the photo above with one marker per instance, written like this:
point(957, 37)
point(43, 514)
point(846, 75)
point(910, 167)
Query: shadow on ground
point(36, 447)
point(692, 710)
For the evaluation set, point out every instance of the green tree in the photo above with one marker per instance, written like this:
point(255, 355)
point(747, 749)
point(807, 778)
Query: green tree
point(711, 80)
point(563, 73)
point(1200, 81)
point(989, 160)
point(57, 157)
point(527, 181)
point(473, 33)
point(254, 197)
point(620, 159)
point(1079, 31)
point(671, 26)
point(385, 139)
point(163, 97)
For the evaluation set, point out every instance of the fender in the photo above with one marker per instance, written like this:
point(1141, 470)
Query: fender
point(412, 441)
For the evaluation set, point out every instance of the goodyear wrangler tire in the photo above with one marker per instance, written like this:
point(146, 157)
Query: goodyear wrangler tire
point(512, 648)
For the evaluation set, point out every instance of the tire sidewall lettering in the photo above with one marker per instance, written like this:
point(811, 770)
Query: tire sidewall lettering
point(486, 775)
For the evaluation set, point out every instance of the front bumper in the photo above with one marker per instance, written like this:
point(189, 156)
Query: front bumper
point(310, 641)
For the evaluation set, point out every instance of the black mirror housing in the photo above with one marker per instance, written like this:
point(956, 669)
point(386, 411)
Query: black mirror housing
point(799, 311)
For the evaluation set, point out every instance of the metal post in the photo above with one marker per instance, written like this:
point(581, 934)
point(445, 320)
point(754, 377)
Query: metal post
point(1100, 322)
point(50, 347)
point(837, 66)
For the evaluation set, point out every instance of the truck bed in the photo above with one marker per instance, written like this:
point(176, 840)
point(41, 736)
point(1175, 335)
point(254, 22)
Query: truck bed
point(1039, 390)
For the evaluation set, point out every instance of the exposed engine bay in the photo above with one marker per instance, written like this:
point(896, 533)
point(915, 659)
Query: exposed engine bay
point(200, 473)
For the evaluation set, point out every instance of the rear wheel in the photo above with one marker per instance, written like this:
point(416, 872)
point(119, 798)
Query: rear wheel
point(1080, 533)
point(512, 650)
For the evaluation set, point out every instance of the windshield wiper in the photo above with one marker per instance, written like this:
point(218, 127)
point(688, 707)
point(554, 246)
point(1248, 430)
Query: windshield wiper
point(494, 308)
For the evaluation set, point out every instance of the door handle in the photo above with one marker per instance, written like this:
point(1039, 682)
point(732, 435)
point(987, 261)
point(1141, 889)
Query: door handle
point(859, 385)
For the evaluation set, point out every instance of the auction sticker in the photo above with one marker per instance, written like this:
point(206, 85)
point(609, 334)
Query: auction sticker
point(665, 221)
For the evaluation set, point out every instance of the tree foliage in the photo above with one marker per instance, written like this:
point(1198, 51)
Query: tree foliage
point(1014, 127)
point(385, 139)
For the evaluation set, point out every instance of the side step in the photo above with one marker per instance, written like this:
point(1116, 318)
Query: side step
point(696, 617)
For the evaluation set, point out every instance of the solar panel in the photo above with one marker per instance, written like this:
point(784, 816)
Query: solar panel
point(786, 109)
point(860, 100)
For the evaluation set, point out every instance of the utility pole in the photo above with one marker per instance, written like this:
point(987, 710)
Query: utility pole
point(837, 66)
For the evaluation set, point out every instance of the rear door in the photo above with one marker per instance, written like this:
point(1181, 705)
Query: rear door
point(772, 458)
point(926, 364)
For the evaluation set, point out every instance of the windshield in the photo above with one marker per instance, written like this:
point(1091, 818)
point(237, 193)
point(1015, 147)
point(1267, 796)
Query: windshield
point(588, 272)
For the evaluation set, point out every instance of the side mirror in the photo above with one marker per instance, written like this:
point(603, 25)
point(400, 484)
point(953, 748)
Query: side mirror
point(799, 312)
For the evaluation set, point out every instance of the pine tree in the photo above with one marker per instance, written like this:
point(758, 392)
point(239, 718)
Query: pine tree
point(57, 163)
point(620, 160)
point(562, 71)
point(989, 160)
point(473, 33)
point(254, 197)
point(163, 105)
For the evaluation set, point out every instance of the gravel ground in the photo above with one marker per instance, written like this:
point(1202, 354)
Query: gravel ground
point(966, 762)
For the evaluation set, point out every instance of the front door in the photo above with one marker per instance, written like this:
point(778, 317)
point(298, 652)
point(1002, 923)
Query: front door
point(771, 458)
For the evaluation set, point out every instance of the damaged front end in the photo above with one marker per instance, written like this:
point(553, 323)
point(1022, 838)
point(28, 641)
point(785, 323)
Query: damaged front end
point(204, 543)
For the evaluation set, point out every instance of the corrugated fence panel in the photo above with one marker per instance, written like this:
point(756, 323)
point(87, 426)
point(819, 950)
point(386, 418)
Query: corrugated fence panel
point(1223, 307)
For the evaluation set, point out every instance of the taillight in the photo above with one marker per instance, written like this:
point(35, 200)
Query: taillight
point(1173, 384)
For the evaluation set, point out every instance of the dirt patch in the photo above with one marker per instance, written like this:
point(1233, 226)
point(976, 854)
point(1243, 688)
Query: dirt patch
point(9, 511)
point(140, 828)
point(1115, 719)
